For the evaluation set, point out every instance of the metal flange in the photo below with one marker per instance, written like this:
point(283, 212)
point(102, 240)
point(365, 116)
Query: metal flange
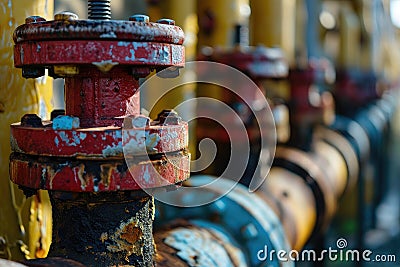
point(245, 215)
point(98, 142)
point(258, 62)
point(98, 53)
point(68, 27)
point(90, 175)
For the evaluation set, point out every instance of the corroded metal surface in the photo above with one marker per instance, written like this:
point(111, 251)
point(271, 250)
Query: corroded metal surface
point(108, 229)
point(246, 100)
point(259, 62)
point(102, 124)
point(90, 175)
point(246, 216)
point(99, 142)
point(185, 243)
point(303, 165)
point(99, 29)
point(298, 220)
point(92, 52)
point(101, 98)
point(346, 150)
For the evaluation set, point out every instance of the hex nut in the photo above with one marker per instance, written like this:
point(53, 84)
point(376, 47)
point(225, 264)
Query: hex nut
point(34, 19)
point(33, 72)
point(65, 16)
point(166, 21)
point(168, 73)
point(169, 117)
point(56, 112)
point(139, 18)
point(31, 120)
point(218, 207)
point(249, 231)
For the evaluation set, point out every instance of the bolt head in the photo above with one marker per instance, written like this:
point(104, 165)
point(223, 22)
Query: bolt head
point(249, 231)
point(31, 120)
point(140, 72)
point(56, 112)
point(65, 16)
point(136, 121)
point(218, 207)
point(65, 70)
point(139, 18)
point(166, 21)
point(168, 73)
point(34, 19)
point(33, 72)
point(169, 117)
point(64, 122)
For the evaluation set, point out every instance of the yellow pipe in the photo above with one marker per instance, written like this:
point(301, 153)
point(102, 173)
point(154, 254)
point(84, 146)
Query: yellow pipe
point(304, 216)
point(273, 23)
point(350, 35)
point(25, 224)
point(217, 20)
point(184, 15)
point(276, 23)
point(300, 43)
point(217, 29)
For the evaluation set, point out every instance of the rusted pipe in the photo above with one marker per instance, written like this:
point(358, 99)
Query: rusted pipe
point(101, 153)
point(106, 229)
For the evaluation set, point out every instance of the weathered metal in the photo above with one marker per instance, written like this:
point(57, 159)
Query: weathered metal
point(118, 30)
point(108, 229)
point(345, 177)
point(184, 243)
point(97, 51)
point(297, 220)
point(101, 96)
point(245, 216)
point(97, 142)
point(100, 153)
point(258, 62)
point(302, 164)
point(310, 102)
point(91, 175)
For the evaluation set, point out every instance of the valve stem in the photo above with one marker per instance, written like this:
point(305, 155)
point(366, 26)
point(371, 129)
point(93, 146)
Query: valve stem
point(99, 9)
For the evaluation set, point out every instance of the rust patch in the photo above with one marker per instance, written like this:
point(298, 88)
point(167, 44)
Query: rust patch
point(131, 233)
point(97, 230)
point(127, 238)
point(105, 174)
point(131, 236)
